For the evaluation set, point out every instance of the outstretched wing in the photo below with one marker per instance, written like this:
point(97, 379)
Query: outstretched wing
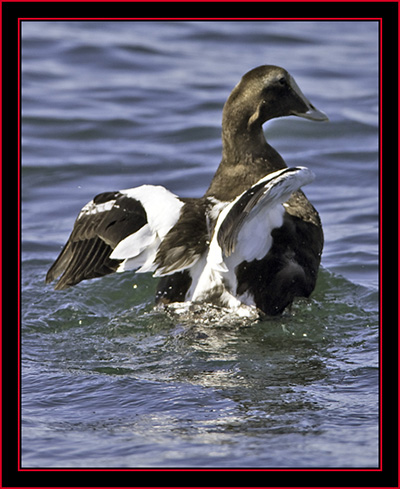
point(116, 231)
point(263, 197)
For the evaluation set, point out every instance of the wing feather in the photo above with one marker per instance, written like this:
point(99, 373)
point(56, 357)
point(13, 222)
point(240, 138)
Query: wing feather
point(270, 191)
point(186, 242)
point(111, 218)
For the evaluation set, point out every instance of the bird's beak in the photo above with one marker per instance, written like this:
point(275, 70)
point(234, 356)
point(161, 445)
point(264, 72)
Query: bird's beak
point(313, 114)
point(310, 111)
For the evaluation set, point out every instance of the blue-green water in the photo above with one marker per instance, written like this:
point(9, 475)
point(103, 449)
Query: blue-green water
point(107, 381)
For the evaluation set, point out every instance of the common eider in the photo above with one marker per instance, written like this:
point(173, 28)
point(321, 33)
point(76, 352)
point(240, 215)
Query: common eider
point(253, 240)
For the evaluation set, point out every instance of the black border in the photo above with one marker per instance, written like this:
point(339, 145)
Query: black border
point(388, 476)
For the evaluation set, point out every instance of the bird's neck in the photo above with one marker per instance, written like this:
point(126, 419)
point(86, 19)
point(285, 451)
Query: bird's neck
point(243, 163)
point(238, 143)
point(246, 157)
point(243, 138)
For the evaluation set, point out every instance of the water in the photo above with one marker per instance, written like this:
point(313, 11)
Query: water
point(107, 381)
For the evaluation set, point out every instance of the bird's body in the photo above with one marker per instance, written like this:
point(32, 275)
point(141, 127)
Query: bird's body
point(253, 239)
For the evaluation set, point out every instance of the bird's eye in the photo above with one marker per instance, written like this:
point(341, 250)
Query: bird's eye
point(282, 81)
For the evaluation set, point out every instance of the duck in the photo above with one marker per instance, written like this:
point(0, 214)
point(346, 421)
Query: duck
point(253, 240)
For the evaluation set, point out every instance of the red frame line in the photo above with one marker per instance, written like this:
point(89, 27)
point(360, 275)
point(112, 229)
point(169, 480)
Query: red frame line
point(21, 19)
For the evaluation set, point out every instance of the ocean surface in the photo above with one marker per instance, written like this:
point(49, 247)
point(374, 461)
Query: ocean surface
point(109, 381)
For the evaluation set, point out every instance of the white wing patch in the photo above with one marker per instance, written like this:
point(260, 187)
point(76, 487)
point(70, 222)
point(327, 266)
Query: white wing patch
point(163, 210)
